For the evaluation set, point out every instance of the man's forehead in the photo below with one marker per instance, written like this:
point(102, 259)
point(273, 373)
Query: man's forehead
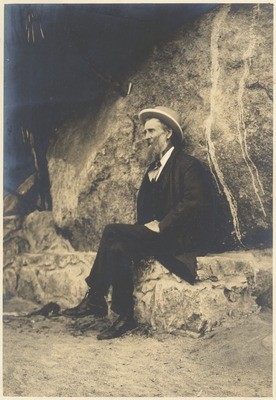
point(153, 122)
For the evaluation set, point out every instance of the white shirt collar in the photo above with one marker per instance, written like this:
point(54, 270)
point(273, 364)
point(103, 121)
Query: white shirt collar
point(166, 156)
point(156, 173)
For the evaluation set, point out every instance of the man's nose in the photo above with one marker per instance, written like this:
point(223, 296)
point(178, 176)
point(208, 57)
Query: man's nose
point(149, 137)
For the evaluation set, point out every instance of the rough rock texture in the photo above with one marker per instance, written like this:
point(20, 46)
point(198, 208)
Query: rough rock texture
point(39, 230)
point(15, 205)
point(228, 287)
point(19, 203)
point(255, 265)
point(36, 234)
point(14, 246)
point(17, 200)
point(217, 73)
point(49, 277)
point(11, 223)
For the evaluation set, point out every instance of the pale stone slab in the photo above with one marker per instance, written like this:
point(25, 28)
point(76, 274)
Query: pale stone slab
point(49, 277)
point(229, 287)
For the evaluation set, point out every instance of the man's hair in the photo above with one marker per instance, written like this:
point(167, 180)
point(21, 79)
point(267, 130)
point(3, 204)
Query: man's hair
point(175, 139)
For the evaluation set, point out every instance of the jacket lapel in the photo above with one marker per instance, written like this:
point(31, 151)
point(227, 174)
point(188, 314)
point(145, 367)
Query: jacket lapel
point(167, 168)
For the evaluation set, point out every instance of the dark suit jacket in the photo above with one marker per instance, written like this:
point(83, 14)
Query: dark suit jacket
point(184, 208)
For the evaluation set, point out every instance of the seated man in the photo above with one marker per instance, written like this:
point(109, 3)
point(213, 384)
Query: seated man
point(173, 220)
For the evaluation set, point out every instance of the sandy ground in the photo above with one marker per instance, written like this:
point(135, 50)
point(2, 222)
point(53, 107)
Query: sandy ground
point(62, 357)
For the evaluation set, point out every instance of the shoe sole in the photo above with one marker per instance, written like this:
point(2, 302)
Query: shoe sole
point(117, 334)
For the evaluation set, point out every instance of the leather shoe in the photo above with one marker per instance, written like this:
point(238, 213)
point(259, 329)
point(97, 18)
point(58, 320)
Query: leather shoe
point(122, 325)
point(92, 304)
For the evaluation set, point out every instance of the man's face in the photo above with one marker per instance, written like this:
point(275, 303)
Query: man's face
point(157, 137)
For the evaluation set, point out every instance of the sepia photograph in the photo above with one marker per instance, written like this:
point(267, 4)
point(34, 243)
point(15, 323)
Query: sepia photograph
point(137, 200)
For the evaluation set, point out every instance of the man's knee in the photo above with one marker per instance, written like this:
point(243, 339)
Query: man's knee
point(115, 237)
point(113, 233)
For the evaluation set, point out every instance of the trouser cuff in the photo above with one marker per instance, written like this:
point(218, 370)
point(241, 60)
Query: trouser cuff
point(127, 312)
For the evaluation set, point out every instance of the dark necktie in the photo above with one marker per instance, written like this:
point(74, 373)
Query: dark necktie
point(154, 166)
point(153, 170)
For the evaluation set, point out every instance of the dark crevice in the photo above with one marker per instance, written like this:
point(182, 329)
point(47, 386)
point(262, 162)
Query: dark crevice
point(257, 85)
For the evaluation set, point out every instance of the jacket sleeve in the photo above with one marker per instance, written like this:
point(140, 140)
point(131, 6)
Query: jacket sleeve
point(191, 188)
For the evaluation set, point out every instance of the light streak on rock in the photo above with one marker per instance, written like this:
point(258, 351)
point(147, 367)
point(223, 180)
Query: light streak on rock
point(33, 35)
point(211, 150)
point(215, 169)
point(256, 182)
point(31, 141)
point(41, 31)
point(28, 35)
point(23, 135)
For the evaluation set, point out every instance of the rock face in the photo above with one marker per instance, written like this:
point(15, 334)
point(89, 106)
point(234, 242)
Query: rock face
point(19, 200)
point(36, 234)
point(49, 277)
point(230, 286)
point(39, 230)
point(217, 73)
point(226, 287)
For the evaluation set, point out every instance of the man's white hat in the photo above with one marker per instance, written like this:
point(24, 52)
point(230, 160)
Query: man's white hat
point(164, 114)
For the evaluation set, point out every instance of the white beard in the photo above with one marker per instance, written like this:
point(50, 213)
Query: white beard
point(153, 153)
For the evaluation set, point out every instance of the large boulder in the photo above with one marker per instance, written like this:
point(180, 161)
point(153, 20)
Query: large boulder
point(217, 73)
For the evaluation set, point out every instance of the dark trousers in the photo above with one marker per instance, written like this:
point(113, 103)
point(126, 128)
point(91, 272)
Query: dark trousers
point(120, 245)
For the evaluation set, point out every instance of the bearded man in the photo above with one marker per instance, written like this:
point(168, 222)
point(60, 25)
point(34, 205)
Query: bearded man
point(174, 216)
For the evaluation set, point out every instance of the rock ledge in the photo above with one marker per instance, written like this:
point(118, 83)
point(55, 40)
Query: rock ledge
point(230, 285)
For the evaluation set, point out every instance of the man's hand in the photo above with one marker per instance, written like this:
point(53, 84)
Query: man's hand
point(153, 226)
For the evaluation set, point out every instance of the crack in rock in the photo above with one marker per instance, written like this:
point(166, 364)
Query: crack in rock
point(258, 85)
